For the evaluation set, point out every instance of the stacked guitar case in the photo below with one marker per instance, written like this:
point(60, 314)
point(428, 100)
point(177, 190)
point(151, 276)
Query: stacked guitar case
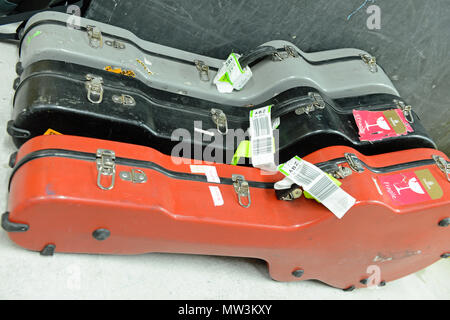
point(114, 132)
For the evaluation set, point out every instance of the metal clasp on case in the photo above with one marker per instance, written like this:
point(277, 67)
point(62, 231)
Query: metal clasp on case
point(95, 36)
point(106, 166)
point(242, 189)
point(370, 61)
point(134, 176)
point(317, 104)
point(443, 165)
point(94, 86)
point(406, 109)
point(203, 69)
point(354, 162)
point(125, 100)
point(220, 119)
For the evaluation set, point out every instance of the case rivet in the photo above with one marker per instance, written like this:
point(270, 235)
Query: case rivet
point(101, 234)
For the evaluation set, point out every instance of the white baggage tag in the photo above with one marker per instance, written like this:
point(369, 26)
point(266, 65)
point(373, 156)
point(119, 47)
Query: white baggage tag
point(261, 139)
point(319, 185)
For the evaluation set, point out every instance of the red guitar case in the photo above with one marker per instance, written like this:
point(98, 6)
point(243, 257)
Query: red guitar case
point(81, 195)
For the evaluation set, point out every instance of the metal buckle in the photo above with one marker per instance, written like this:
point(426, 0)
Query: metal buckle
point(291, 51)
point(220, 119)
point(317, 104)
point(95, 37)
point(370, 61)
point(407, 110)
point(94, 86)
point(115, 44)
point(443, 165)
point(106, 166)
point(135, 176)
point(203, 69)
point(354, 162)
point(125, 100)
point(342, 173)
point(242, 189)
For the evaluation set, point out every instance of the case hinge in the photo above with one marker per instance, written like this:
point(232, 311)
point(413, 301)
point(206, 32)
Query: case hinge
point(317, 104)
point(370, 61)
point(220, 119)
point(95, 36)
point(203, 70)
point(94, 86)
point(106, 166)
point(242, 189)
point(406, 109)
point(443, 165)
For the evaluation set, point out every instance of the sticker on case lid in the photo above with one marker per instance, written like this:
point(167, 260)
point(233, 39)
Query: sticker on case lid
point(412, 187)
point(379, 125)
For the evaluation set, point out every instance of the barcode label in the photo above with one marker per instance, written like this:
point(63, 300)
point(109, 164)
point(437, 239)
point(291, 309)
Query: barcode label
point(323, 188)
point(262, 146)
point(262, 126)
point(261, 139)
point(319, 185)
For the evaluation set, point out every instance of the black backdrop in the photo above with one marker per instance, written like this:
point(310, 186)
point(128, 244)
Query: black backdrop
point(412, 45)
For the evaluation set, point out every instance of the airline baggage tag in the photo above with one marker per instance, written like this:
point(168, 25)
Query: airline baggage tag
point(231, 76)
point(262, 139)
point(319, 185)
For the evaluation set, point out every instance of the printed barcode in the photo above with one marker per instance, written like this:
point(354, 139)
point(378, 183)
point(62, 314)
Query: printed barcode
point(261, 126)
point(262, 146)
point(306, 174)
point(323, 188)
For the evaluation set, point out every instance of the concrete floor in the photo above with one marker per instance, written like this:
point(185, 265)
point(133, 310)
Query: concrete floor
point(27, 275)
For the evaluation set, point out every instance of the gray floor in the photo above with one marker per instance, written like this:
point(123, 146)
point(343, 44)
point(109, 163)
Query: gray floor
point(27, 275)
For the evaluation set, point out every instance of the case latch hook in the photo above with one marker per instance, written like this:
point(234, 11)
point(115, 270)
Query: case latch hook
point(242, 189)
point(95, 36)
point(370, 61)
point(354, 162)
point(203, 69)
point(106, 166)
point(406, 109)
point(94, 86)
point(220, 119)
point(443, 165)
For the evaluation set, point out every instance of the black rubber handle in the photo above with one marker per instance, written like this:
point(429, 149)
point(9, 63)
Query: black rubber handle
point(256, 54)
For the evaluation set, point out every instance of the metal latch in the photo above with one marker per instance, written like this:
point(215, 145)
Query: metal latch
point(289, 52)
point(106, 166)
point(341, 173)
point(317, 104)
point(354, 162)
point(125, 100)
point(242, 189)
point(115, 44)
point(203, 69)
point(220, 119)
point(95, 37)
point(406, 109)
point(94, 86)
point(135, 176)
point(293, 193)
point(370, 61)
point(443, 165)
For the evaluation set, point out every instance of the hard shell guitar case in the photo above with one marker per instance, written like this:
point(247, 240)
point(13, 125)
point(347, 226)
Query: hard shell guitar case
point(82, 101)
point(81, 195)
point(277, 66)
